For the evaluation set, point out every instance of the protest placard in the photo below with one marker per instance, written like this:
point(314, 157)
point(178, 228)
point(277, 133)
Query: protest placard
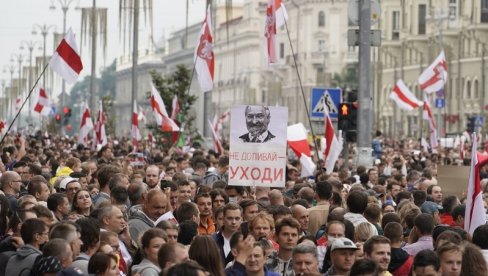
point(257, 155)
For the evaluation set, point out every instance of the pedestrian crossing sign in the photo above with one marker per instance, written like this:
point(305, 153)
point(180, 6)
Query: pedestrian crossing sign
point(325, 99)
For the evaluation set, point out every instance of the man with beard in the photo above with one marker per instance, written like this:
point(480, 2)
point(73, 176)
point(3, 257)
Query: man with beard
point(257, 121)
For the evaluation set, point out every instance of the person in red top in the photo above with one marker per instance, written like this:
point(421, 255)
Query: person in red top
point(458, 216)
point(448, 204)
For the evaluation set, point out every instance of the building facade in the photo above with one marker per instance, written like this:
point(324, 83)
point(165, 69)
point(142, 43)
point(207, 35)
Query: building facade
point(414, 33)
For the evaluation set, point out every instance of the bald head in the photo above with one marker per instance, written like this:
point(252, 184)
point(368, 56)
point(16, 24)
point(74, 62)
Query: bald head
point(10, 182)
point(155, 204)
point(276, 198)
point(300, 213)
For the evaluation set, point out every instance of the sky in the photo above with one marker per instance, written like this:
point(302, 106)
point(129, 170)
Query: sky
point(17, 18)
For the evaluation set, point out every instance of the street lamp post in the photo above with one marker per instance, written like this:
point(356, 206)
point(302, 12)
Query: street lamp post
point(64, 7)
point(19, 58)
point(11, 69)
point(30, 46)
point(44, 30)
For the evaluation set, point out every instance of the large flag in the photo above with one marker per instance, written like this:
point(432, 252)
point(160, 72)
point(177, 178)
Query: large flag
point(66, 61)
point(475, 212)
point(276, 17)
point(297, 140)
point(333, 146)
point(141, 116)
point(402, 96)
point(434, 77)
point(43, 104)
point(86, 125)
point(100, 127)
point(175, 108)
point(162, 118)
point(135, 132)
point(219, 121)
point(204, 55)
point(217, 145)
point(427, 115)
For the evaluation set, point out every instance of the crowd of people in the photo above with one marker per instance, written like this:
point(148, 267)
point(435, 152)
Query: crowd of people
point(69, 210)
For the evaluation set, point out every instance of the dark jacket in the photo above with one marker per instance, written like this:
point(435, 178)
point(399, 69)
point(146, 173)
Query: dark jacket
point(246, 138)
point(219, 239)
point(400, 262)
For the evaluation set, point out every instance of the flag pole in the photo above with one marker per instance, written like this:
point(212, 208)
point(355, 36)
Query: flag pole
point(22, 106)
point(303, 93)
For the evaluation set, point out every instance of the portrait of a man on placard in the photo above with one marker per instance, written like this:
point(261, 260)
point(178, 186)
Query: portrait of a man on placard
point(257, 122)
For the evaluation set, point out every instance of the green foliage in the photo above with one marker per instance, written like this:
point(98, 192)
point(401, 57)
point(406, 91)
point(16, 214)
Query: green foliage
point(178, 84)
point(347, 78)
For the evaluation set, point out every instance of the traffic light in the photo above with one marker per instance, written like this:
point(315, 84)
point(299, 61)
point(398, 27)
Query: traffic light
point(348, 114)
point(471, 124)
point(67, 115)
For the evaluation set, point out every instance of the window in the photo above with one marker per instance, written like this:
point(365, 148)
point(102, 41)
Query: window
point(422, 19)
point(395, 29)
point(321, 19)
point(452, 9)
point(468, 89)
point(321, 45)
point(476, 89)
point(484, 11)
point(282, 50)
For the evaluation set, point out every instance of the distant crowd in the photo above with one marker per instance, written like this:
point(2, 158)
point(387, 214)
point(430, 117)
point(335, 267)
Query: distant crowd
point(66, 209)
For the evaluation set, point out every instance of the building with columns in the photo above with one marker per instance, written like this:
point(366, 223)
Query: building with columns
point(414, 33)
point(318, 35)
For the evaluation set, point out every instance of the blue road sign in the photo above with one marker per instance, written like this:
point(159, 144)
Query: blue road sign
point(440, 103)
point(479, 121)
point(322, 98)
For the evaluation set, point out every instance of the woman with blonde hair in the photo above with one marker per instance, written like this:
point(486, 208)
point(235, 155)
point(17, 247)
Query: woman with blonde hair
point(362, 233)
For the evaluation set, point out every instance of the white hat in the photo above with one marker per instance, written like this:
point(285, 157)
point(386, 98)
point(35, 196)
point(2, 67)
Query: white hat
point(66, 181)
point(343, 243)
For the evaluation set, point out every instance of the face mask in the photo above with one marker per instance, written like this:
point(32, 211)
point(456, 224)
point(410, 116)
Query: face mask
point(330, 240)
point(264, 202)
point(233, 199)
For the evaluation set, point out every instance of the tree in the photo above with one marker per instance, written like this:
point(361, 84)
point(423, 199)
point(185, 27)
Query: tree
point(178, 84)
point(347, 78)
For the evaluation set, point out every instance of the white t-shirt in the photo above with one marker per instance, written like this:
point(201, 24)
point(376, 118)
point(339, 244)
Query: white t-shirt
point(226, 246)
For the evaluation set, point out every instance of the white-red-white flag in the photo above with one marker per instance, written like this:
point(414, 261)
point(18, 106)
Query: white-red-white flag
point(276, 17)
point(43, 104)
point(404, 99)
point(159, 109)
point(135, 132)
point(66, 61)
point(86, 125)
point(333, 146)
point(219, 121)
point(297, 140)
point(100, 127)
point(427, 115)
point(475, 213)
point(217, 145)
point(204, 55)
point(175, 108)
point(434, 77)
point(141, 116)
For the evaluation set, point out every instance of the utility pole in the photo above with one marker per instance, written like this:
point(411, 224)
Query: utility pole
point(135, 55)
point(364, 155)
point(30, 46)
point(94, 54)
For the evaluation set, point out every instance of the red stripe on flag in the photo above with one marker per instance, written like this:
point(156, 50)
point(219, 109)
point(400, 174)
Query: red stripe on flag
point(69, 56)
point(404, 98)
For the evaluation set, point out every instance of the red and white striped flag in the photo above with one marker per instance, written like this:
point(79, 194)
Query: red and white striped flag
point(427, 115)
point(141, 116)
point(297, 140)
point(66, 61)
point(276, 17)
point(162, 118)
point(475, 212)
point(43, 104)
point(217, 145)
point(175, 108)
point(434, 77)
point(333, 146)
point(100, 127)
point(404, 99)
point(219, 121)
point(204, 55)
point(86, 125)
point(135, 132)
